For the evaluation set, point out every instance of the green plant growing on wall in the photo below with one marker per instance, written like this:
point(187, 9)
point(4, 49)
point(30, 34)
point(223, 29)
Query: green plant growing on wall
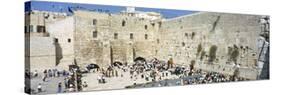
point(212, 53)
point(202, 55)
point(199, 49)
point(192, 35)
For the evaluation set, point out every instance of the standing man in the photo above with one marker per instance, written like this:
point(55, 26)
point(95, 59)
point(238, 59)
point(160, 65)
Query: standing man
point(66, 83)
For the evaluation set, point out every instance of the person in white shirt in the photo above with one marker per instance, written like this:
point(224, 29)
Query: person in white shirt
point(35, 73)
point(39, 88)
point(99, 78)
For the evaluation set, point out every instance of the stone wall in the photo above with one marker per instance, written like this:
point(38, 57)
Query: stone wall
point(103, 38)
point(40, 52)
point(62, 32)
point(117, 37)
point(53, 26)
point(181, 37)
point(230, 29)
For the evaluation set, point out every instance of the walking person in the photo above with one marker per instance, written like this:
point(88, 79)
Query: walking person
point(58, 73)
point(59, 87)
point(44, 77)
point(66, 83)
point(85, 85)
point(39, 88)
point(45, 72)
point(54, 72)
point(35, 73)
point(50, 73)
point(99, 78)
point(103, 79)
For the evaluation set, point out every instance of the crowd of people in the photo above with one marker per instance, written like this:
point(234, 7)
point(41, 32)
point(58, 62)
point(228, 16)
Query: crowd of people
point(153, 70)
point(211, 77)
point(47, 73)
point(189, 77)
point(150, 71)
point(183, 75)
point(71, 81)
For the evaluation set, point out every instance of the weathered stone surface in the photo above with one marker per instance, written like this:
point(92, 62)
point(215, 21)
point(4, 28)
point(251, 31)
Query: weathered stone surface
point(40, 52)
point(104, 38)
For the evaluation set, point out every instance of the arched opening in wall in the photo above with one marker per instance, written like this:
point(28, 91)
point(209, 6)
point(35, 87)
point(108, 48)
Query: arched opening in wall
point(140, 60)
point(123, 23)
point(92, 66)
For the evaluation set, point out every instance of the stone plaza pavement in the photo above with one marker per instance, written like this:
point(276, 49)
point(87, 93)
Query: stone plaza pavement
point(51, 85)
point(115, 82)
